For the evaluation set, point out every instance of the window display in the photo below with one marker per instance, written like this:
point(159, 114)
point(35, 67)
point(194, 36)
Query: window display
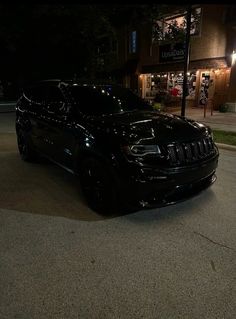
point(175, 84)
point(192, 85)
point(170, 83)
point(204, 86)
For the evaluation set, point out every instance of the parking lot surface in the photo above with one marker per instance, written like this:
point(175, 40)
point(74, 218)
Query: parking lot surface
point(59, 259)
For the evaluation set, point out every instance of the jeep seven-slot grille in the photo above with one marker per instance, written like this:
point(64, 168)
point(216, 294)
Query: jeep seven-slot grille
point(183, 153)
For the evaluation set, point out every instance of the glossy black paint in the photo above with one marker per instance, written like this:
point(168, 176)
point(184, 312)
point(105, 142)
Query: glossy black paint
point(59, 131)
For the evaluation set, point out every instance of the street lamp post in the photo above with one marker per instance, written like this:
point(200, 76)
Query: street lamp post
point(186, 59)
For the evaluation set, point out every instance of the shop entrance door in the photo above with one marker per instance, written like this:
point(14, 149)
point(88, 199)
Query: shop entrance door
point(205, 82)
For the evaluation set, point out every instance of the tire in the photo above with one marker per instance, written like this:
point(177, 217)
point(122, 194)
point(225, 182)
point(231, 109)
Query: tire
point(99, 186)
point(26, 153)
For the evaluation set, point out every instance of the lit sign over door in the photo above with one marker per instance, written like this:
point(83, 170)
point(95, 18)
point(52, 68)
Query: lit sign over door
point(173, 52)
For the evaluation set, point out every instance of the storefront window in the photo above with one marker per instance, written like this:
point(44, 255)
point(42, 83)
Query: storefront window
point(155, 83)
point(171, 83)
point(175, 84)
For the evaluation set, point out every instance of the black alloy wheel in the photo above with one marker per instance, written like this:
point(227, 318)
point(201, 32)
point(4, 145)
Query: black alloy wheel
point(98, 186)
point(26, 153)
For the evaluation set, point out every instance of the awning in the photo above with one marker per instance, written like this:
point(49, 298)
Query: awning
point(215, 63)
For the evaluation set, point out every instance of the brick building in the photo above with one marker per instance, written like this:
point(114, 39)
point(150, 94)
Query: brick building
point(150, 67)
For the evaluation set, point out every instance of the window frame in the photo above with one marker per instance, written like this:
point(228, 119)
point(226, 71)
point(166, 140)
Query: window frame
point(163, 25)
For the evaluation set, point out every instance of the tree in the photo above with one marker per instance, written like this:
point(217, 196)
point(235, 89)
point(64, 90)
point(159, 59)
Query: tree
point(44, 40)
point(169, 23)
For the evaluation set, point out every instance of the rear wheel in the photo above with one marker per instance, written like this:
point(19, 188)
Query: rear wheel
point(99, 186)
point(26, 152)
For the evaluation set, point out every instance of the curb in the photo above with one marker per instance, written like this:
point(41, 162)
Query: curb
point(8, 103)
point(226, 146)
point(7, 107)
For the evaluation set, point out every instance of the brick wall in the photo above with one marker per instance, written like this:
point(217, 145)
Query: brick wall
point(212, 41)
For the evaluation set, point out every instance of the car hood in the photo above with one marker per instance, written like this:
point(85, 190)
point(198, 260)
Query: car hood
point(150, 127)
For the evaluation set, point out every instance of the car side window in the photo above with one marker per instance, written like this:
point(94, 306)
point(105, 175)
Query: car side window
point(84, 95)
point(55, 100)
point(91, 101)
point(36, 95)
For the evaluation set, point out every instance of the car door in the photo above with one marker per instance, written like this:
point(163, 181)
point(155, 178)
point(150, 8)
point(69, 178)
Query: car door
point(60, 133)
point(36, 96)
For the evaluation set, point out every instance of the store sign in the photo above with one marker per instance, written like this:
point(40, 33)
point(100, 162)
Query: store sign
point(173, 52)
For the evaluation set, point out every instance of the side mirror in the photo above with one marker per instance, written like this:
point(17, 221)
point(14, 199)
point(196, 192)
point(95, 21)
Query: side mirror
point(51, 107)
point(55, 107)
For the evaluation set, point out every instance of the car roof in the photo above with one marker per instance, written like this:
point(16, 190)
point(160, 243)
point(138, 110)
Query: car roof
point(70, 83)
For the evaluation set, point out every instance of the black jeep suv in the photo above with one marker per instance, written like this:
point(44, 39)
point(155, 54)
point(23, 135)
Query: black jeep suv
point(125, 153)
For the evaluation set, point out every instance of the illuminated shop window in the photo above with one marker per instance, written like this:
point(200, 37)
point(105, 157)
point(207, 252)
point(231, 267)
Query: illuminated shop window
point(155, 83)
point(170, 83)
point(175, 84)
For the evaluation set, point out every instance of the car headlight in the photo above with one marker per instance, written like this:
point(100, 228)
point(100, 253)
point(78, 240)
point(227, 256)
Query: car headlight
point(142, 150)
point(210, 132)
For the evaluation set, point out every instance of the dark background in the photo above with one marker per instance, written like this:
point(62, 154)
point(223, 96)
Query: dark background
point(41, 41)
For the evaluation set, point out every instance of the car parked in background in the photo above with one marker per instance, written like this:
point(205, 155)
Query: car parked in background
point(125, 153)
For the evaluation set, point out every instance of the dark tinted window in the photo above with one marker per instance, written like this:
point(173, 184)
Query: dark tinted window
point(36, 94)
point(44, 93)
point(54, 94)
point(107, 100)
point(54, 100)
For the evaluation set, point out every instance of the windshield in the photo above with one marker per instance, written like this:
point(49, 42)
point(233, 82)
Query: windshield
point(98, 100)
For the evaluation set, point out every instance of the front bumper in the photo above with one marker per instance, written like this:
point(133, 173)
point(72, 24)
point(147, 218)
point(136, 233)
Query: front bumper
point(153, 187)
point(177, 194)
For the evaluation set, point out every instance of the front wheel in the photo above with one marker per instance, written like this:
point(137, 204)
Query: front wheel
point(99, 186)
point(26, 153)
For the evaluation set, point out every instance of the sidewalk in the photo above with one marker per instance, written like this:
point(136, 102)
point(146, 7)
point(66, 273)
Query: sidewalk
point(220, 121)
point(7, 107)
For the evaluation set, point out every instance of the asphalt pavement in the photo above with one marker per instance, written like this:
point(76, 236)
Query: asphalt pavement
point(59, 259)
point(174, 262)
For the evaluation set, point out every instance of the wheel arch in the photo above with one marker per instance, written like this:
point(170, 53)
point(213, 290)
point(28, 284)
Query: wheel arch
point(82, 153)
point(108, 159)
